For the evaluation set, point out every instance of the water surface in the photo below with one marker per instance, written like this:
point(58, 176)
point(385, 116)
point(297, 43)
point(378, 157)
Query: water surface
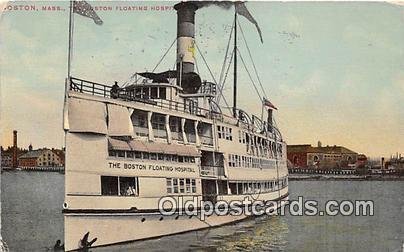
point(32, 220)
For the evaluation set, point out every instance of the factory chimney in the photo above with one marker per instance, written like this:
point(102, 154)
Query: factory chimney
point(15, 162)
point(186, 77)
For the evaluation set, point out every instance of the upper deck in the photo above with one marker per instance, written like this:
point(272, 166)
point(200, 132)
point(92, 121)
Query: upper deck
point(168, 96)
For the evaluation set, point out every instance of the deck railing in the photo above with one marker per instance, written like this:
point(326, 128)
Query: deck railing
point(97, 89)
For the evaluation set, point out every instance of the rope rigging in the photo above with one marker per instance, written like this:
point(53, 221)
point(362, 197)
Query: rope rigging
point(225, 77)
point(211, 74)
point(154, 69)
point(226, 56)
point(249, 75)
point(228, 60)
point(252, 61)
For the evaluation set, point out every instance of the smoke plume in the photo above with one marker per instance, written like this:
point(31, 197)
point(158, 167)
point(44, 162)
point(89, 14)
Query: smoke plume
point(240, 8)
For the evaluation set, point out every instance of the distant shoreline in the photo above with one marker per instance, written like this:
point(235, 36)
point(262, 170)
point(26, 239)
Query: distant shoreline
point(59, 169)
point(294, 177)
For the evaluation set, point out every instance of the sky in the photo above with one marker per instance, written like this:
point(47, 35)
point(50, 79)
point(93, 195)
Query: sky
point(334, 70)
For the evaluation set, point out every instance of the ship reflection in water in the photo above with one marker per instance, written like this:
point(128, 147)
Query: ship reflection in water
point(260, 234)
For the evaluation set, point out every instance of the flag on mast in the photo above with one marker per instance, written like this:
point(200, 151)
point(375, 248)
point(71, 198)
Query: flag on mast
point(242, 10)
point(86, 10)
point(269, 104)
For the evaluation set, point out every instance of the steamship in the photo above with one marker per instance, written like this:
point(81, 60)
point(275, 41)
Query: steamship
point(162, 135)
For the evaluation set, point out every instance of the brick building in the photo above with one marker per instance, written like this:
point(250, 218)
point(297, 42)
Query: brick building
point(328, 157)
point(7, 156)
point(41, 157)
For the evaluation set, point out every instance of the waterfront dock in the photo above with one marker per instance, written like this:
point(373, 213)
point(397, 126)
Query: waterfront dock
point(60, 169)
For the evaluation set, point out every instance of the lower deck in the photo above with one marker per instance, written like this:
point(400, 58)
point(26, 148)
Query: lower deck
point(123, 193)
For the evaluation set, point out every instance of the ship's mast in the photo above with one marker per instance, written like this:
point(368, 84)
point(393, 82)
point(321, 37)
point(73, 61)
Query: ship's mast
point(235, 67)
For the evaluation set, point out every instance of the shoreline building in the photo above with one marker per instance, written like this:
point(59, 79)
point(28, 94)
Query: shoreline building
point(321, 157)
point(6, 158)
point(42, 158)
point(8, 154)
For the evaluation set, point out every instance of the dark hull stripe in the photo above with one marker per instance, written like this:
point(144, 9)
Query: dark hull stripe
point(132, 210)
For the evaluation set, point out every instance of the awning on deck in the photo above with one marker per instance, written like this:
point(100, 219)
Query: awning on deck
point(114, 144)
point(153, 147)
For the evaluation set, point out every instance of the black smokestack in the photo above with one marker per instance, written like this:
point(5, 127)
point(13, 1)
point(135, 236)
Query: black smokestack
point(15, 163)
point(270, 120)
point(185, 38)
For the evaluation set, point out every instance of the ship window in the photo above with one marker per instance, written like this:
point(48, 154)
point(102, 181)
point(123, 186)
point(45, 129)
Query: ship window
point(160, 156)
point(153, 93)
point(169, 185)
point(187, 185)
point(224, 132)
point(249, 189)
point(175, 124)
point(145, 155)
point(175, 185)
point(121, 153)
point(129, 154)
point(139, 118)
point(229, 134)
point(111, 153)
point(162, 93)
point(219, 132)
point(180, 159)
point(240, 188)
point(138, 154)
point(174, 158)
point(109, 185)
point(128, 186)
point(193, 185)
point(146, 93)
point(138, 92)
point(158, 121)
point(182, 185)
point(153, 156)
point(233, 188)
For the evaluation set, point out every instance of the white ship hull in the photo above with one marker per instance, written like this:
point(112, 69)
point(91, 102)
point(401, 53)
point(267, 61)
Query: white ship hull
point(96, 203)
point(164, 135)
point(114, 228)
